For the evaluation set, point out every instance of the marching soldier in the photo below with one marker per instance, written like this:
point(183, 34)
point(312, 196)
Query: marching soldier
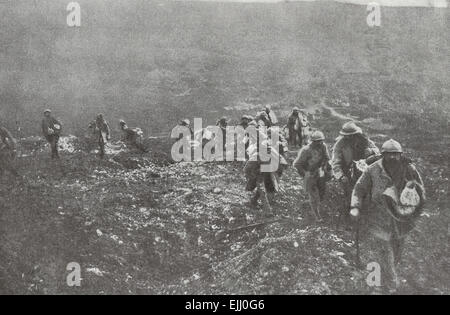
point(311, 164)
point(51, 128)
point(132, 136)
point(7, 152)
point(389, 198)
point(296, 122)
point(352, 145)
point(101, 132)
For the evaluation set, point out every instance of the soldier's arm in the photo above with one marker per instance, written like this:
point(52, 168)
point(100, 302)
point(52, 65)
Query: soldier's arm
point(326, 154)
point(362, 189)
point(336, 161)
point(372, 149)
point(57, 122)
point(11, 140)
point(44, 127)
point(108, 131)
point(300, 161)
point(415, 176)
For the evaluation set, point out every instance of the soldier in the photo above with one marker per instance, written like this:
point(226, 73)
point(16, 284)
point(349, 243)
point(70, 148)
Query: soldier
point(222, 123)
point(132, 136)
point(51, 128)
point(379, 199)
point(262, 119)
point(311, 164)
point(7, 152)
point(271, 115)
point(271, 183)
point(101, 132)
point(352, 145)
point(262, 183)
point(187, 123)
point(245, 120)
point(296, 122)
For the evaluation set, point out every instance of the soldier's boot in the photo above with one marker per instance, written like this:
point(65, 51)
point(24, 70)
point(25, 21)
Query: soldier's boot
point(254, 197)
point(272, 201)
point(266, 204)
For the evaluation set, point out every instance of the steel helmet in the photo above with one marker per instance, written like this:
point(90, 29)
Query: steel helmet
point(391, 146)
point(186, 122)
point(317, 136)
point(296, 109)
point(47, 111)
point(122, 122)
point(349, 129)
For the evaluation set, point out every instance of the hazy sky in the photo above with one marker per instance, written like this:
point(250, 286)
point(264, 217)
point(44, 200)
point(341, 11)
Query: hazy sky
point(392, 3)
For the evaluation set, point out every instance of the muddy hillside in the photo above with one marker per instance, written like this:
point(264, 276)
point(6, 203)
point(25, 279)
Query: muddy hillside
point(142, 224)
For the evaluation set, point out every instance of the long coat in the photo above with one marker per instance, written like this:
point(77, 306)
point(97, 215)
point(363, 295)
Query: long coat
point(311, 158)
point(368, 197)
point(344, 153)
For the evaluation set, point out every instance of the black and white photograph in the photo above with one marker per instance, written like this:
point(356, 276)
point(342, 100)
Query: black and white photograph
point(241, 149)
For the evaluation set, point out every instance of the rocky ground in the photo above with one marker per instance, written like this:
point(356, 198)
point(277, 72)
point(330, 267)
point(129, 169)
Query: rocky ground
point(138, 224)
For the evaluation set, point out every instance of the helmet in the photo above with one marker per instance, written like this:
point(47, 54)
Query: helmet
point(317, 136)
point(122, 122)
point(253, 124)
point(296, 109)
point(47, 111)
point(186, 122)
point(349, 129)
point(391, 146)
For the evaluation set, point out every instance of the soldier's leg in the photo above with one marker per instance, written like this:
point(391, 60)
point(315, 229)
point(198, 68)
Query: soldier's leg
point(101, 144)
point(300, 136)
point(7, 164)
point(54, 146)
point(398, 245)
point(312, 191)
point(344, 216)
point(292, 136)
point(390, 276)
point(264, 199)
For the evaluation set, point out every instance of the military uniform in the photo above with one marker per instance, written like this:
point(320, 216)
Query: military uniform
point(296, 123)
point(132, 137)
point(310, 160)
point(345, 152)
point(7, 152)
point(263, 184)
point(102, 133)
point(386, 232)
point(51, 128)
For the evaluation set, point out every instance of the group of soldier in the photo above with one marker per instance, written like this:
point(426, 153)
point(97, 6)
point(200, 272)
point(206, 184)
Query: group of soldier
point(98, 131)
point(376, 185)
point(371, 196)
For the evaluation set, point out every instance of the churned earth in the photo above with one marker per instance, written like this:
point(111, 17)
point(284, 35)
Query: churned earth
point(140, 224)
